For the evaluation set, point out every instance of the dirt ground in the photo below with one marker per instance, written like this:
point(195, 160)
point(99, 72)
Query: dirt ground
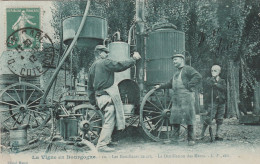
point(239, 141)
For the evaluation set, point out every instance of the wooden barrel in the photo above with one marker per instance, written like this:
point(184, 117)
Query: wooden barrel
point(18, 137)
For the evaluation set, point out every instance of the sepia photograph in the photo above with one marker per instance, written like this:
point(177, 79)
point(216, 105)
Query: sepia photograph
point(129, 81)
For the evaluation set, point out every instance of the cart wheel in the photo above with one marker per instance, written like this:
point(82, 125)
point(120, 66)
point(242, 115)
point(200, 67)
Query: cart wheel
point(90, 122)
point(19, 104)
point(154, 115)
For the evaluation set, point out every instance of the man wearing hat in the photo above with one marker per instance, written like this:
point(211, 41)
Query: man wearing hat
point(104, 93)
point(183, 83)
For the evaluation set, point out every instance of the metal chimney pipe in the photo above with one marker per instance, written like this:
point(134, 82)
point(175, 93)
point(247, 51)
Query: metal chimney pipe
point(140, 43)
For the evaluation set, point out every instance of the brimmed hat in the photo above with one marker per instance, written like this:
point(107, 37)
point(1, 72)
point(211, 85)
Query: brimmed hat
point(178, 55)
point(102, 48)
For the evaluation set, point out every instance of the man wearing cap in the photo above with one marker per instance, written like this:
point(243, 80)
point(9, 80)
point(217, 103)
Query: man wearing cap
point(183, 83)
point(214, 95)
point(104, 93)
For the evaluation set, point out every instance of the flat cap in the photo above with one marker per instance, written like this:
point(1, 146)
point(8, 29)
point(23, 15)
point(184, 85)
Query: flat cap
point(178, 55)
point(102, 48)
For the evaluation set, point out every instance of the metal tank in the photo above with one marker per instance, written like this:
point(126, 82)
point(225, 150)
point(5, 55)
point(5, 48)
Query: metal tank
point(92, 34)
point(161, 44)
point(120, 51)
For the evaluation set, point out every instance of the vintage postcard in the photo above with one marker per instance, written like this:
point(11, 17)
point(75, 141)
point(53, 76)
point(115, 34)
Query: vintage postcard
point(129, 81)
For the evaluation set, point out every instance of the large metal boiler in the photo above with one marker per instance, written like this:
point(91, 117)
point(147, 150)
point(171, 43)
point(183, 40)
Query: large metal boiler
point(120, 51)
point(161, 44)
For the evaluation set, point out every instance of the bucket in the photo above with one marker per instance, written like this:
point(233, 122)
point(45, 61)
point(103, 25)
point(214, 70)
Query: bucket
point(68, 127)
point(128, 110)
point(18, 137)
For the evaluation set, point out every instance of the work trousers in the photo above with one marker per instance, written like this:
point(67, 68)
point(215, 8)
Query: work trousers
point(110, 120)
point(218, 112)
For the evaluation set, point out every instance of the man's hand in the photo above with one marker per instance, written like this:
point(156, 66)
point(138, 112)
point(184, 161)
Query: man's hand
point(156, 87)
point(136, 56)
point(211, 81)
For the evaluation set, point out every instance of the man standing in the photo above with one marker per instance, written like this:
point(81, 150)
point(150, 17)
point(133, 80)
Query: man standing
point(214, 93)
point(183, 83)
point(104, 93)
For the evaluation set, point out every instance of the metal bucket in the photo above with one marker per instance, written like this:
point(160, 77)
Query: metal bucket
point(18, 137)
point(128, 110)
point(68, 127)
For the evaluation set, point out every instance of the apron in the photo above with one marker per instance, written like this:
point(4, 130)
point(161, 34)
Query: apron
point(183, 103)
point(113, 92)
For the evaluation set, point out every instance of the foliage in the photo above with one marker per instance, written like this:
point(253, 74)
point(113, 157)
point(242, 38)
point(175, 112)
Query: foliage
point(119, 14)
point(216, 30)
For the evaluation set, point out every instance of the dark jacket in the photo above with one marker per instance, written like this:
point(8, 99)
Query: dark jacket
point(101, 75)
point(219, 90)
point(190, 78)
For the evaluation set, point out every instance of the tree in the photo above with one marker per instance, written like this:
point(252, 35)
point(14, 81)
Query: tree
point(224, 32)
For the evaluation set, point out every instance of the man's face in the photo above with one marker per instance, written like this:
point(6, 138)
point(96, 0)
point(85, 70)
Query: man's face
point(177, 61)
point(215, 72)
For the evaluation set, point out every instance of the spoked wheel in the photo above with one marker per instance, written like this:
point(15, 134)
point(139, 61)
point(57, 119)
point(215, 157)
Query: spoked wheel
point(90, 122)
point(155, 114)
point(19, 105)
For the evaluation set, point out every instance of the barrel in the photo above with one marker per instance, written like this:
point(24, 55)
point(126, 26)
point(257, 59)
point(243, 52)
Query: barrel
point(93, 33)
point(18, 137)
point(161, 44)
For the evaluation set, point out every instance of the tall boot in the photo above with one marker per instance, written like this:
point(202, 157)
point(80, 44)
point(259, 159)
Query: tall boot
point(191, 141)
point(176, 134)
point(217, 138)
point(202, 134)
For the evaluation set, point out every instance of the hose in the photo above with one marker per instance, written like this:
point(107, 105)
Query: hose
point(54, 76)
